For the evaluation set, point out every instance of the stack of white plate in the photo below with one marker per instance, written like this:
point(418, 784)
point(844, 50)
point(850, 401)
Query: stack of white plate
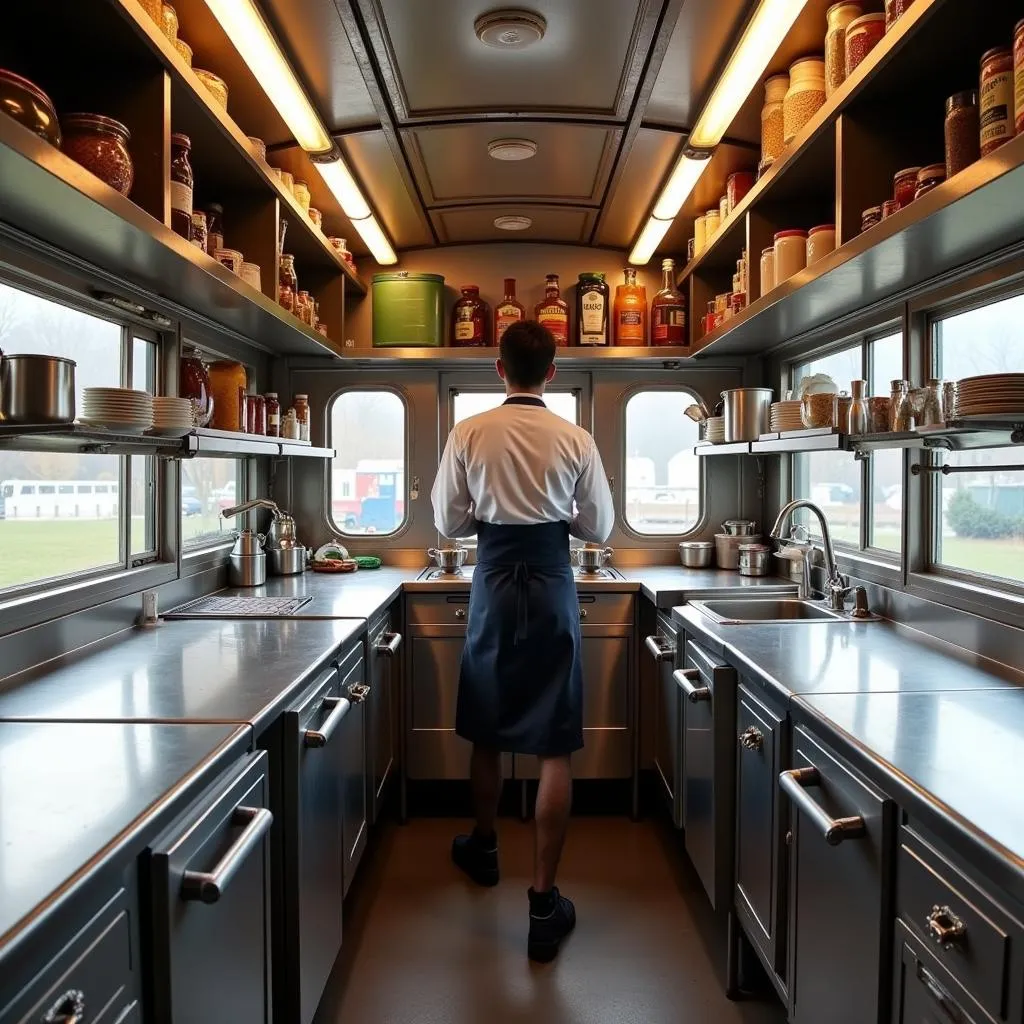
point(117, 409)
point(173, 416)
point(784, 416)
point(715, 429)
point(995, 394)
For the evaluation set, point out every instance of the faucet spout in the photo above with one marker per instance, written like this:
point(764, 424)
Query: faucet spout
point(835, 578)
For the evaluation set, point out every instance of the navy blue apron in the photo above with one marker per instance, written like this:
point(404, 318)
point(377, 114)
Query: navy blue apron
point(521, 682)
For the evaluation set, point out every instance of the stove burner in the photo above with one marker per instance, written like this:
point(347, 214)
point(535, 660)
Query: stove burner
point(447, 574)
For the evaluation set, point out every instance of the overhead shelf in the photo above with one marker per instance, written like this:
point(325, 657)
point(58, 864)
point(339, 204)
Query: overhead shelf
point(572, 354)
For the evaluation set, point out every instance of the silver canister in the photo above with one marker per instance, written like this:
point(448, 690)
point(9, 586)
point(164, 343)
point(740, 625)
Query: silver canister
point(247, 570)
point(727, 548)
point(754, 559)
point(36, 389)
point(746, 413)
point(697, 554)
point(739, 527)
point(286, 561)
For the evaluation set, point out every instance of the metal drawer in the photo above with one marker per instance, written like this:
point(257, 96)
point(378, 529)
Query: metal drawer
point(962, 927)
point(437, 609)
point(606, 608)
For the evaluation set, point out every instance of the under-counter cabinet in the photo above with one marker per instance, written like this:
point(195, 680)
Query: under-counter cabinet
point(663, 647)
point(383, 705)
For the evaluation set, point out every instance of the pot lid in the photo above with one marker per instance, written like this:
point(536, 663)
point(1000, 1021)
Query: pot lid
point(248, 543)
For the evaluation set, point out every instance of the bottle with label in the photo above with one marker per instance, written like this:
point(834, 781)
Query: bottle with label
point(668, 310)
point(630, 311)
point(273, 414)
point(508, 311)
point(553, 312)
point(182, 185)
point(470, 317)
point(592, 310)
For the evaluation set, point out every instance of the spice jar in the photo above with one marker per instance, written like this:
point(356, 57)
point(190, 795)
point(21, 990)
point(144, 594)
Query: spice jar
point(895, 9)
point(273, 407)
point(182, 184)
point(878, 414)
point(712, 222)
point(963, 131)
point(214, 228)
point(805, 96)
point(838, 17)
point(169, 21)
point(841, 412)
point(154, 8)
point(700, 234)
point(287, 283)
point(250, 274)
point(300, 403)
point(904, 184)
point(469, 319)
point(301, 192)
point(767, 270)
point(996, 96)
point(317, 218)
point(862, 35)
point(928, 178)
point(200, 235)
point(100, 145)
point(899, 406)
point(185, 50)
point(773, 119)
point(228, 382)
point(820, 242)
point(1018, 76)
point(790, 254)
point(737, 185)
point(870, 217)
point(304, 307)
point(889, 207)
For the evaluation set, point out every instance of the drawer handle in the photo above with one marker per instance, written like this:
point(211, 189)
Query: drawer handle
point(388, 643)
point(338, 708)
point(794, 784)
point(358, 692)
point(661, 648)
point(945, 927)
point(69, 1009)
point(694, 694)
point(752, 738)
point(460, 613)
point(943, 999)
point(209, 886)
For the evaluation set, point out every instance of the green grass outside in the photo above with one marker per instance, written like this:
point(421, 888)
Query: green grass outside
point(42, 549)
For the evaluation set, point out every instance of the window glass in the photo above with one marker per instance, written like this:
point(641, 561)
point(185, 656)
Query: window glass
point(143, 531)
point(208, 486)
point(470, 403)
point(368, 493)
point(886, 467)
point(663, 476)
point(842, 366)
point(832, 480)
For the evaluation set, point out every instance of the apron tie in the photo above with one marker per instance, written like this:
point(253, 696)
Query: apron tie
point(521, 578)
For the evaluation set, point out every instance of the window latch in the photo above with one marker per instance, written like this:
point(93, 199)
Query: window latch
point(127, 306)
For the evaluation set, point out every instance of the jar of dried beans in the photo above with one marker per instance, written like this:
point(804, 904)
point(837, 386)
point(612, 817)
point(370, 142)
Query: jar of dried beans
point(904, 186)
point(805, 96)
point(996, 95)
point(963, 131)
point(862, 36)
point(895, 9)
point(839, 17)
point(773, 119)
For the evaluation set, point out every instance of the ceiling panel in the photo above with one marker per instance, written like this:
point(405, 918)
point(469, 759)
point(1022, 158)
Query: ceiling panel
point(550, 224)
point(452, 165)
point(588, 62)
point(649, 161)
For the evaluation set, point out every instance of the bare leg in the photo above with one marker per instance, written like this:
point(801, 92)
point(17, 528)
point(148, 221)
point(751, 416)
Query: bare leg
point(485, 774)
point(554, 801)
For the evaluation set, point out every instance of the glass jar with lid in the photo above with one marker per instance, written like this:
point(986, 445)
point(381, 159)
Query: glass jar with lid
point(773, 119)
point(712, 222)
point(862, 36)
point(470, 328)
point(287, 283)
point(996, 94)
point(182, 185)
point(904, 185)
point(300, 403)
point(273, 406)
point(805, 96)
point(928, 178)
point(963, 131)
point(838, 18)
point(767, 270)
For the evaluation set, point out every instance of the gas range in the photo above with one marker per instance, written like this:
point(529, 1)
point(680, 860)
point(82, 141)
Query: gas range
point(465, 575)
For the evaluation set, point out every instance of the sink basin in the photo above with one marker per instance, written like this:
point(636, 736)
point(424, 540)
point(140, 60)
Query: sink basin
point(731, 612)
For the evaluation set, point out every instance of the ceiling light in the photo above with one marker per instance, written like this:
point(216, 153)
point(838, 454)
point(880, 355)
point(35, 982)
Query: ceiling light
point(376, 241)
point(650, 238)
point(747, 63)
point(249, 34)
point(684, 177)
point(512, 223)
point(511, 149)
point(343, 186)
point(510, 29)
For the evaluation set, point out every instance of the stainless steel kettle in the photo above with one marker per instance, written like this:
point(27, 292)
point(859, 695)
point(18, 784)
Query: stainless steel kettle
point(286, 556)
point(247, 563)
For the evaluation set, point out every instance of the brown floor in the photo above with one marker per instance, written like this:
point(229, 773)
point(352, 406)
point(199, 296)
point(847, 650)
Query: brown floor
point(424, 946)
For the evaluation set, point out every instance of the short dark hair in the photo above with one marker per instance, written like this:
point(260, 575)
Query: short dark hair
point(527, 352)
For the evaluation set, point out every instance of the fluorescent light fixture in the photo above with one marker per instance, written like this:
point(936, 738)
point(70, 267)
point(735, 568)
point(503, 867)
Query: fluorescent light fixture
point(765, 31)
point(685, 175)
point(339, 180)
point(376, 241)
point(649, 240)
point(249, 34)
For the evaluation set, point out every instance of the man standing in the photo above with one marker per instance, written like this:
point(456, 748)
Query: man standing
point(523, 480)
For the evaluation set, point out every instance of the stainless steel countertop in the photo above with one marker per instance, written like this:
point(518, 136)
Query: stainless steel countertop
point(74, 797)
point(207, 670)
point(669, 585)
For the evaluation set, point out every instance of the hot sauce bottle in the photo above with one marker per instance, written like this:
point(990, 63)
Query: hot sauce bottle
point(668, 310)
point(553, 312)
point(630, 313)
point(508, 311)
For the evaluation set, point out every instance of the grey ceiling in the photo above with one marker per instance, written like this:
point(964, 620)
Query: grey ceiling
point(414, 98)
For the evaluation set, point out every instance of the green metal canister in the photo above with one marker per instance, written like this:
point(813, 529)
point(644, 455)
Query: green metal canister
point(408, 310)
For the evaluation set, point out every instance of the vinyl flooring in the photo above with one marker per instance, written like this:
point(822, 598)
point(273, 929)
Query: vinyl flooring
point(424, 946)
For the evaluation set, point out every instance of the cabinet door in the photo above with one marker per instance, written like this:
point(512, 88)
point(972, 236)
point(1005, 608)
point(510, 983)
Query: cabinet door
point(839, 928)
point(382, 708)
point(352, 751)
point(758, 835)
point(666, 721)
point(434, 751)
point(926, 993)
point(211, 907)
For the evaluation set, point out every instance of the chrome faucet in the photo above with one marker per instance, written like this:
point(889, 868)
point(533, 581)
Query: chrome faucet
point(838, 585)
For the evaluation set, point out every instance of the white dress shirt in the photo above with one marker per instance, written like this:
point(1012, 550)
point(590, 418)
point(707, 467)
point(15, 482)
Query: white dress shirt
point(522, 465)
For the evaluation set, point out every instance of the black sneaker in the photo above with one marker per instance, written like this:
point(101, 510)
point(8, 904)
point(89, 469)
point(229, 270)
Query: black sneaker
point(478, 858)
point(552, 917)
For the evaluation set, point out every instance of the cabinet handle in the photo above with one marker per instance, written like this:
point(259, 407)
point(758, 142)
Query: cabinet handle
point(358, 692)
point(338, 708)
point(583, 614)
point(945, 927)
point(794, 784)
point(388, 643)
point(460, 613)
point(661, 648)
point(69, 1009)
point(752, 738)
point(942, 998)
point(684, 678)
point(209, 886)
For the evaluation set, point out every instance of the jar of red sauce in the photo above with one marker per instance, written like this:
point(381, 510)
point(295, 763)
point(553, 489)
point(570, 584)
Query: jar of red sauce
point(996, 98)
point(904, 186)
point(737, 186)
point(862, 36)
point(895, 9)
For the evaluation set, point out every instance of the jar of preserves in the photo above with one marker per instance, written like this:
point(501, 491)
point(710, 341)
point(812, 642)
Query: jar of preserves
point(862, 36)
point(737, 186)
point(870, 217)
point(255, 414)
point(273, 407)
point(767, 270)
point(904, 184)
point(287, 283)
point(894, 10)
point(194, 384)
point(592, 294)
point(996, 98)
point(889, 207)
point(838, 17)
point(182, 185)
point(1018, 77)
point(300, 403)
point(200, 235)
point(214, 228)
point(821, 241)
point(963, 131)
point(100, 145)
point(228, 383)
point(928, 178)
point(305, 310)
point(700, 234)
point(470, 327)
point(805, 96)
point(773, 118)
point(790, 254)
point(301, 192)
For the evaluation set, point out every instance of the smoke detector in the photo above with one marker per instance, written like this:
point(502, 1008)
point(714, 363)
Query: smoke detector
point(511, 149)
point(510, 28)
point(512, 223)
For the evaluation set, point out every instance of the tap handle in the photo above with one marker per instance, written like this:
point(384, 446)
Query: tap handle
point(860, 603)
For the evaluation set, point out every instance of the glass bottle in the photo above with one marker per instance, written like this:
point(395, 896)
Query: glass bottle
point(182, 185)
point(668, 310)
point(470, 316)
point(592, 310)
point(301, 407)
point(305, 311)
point(509, 311)
point(200, 237)
point(273, 414)
point(860, 418)
point(288, 284)
point(194, 383)
point(553, 312)
point(630, 311)
point(899, 406)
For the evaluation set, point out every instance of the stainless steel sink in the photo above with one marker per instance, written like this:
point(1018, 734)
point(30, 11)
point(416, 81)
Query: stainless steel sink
point(734, 611)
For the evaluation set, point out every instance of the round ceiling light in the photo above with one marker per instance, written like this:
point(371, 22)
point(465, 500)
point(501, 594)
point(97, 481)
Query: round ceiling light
point(511, 149)
point(513, 223)
point(510, 28)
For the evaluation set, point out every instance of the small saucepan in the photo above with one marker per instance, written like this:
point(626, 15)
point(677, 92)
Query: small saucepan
point(449, 559)
point(592, 559)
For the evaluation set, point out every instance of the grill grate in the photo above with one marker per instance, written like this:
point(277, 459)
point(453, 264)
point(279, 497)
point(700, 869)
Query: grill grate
point(224, 607)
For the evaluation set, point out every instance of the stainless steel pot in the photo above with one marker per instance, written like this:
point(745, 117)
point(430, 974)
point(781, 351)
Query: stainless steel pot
point(697, 554)
point(592, 559)
point(754, 559)
point(289, 561)
point(747, 413)
point(247, 570)
point(449, 559)
point(36, 389)
point(727, 549)
point(739, 527)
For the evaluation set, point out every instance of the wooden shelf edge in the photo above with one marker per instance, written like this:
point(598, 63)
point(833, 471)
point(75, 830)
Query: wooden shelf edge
point(571, 354)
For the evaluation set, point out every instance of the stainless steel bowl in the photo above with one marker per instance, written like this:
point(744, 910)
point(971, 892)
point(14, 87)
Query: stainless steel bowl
point(449, 559)
point(36, 389)
point(697, 554)
point(592, 559)
point(286, 561)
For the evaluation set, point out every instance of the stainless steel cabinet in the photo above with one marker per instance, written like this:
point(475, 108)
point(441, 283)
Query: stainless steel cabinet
point(840, 920)
point(210, 905)
point(667, 722)
point(352, 752)
point(383, 705)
